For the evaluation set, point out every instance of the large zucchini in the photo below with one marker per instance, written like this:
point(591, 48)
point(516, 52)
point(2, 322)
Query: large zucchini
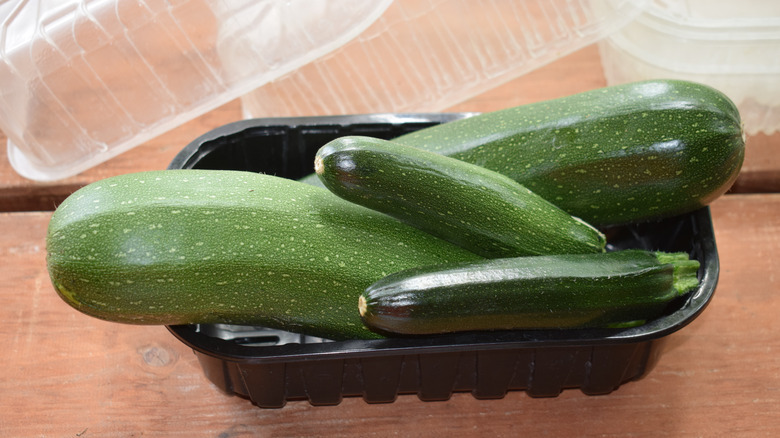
point(189, 246)
point(619, 154)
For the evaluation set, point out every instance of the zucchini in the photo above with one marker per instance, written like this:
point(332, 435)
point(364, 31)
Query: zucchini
point(620, 154)
point(470, 206)
point(615, 155)
point(613, 289)
point(201, 246)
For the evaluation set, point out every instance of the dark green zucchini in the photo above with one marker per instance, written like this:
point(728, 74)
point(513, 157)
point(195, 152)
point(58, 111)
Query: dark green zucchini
point(473, 207)
point(197, 246)
point(619, 154)
point(614, 289)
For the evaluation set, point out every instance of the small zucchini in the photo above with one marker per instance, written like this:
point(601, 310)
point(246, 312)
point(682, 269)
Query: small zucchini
point(201, 246)
point(613, 289)
point(468, 205)
point(620, 154)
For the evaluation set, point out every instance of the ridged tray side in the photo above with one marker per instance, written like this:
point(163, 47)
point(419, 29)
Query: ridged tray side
point(486, 374)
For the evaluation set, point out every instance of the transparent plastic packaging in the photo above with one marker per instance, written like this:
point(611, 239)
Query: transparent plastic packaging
point(427, 55)
point(84, 80)
point(732, 46)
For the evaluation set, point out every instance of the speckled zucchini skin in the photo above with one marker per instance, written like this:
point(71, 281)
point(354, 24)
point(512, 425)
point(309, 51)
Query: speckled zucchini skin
point(199, 246)
point(619, 154)
point(468, 205)
point(614, 289)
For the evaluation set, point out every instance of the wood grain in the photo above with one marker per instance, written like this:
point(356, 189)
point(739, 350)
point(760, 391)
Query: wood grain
point(760, 172)
point(67, 374)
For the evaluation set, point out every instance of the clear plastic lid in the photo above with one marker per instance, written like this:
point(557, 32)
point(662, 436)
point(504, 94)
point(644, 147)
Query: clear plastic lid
point(427, 55)
point(84, 80)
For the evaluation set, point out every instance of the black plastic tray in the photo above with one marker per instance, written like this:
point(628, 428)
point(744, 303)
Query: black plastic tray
point(270, 367)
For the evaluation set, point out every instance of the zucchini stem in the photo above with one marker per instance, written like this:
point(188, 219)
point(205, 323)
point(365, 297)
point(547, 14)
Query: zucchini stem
point(685, 270)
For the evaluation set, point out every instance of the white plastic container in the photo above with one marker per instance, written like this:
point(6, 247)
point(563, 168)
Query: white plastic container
point(733, 46)
point(84, 80)
point(427, 55)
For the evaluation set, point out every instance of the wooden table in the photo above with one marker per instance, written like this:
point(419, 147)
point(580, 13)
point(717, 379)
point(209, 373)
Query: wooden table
point(69, 375)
